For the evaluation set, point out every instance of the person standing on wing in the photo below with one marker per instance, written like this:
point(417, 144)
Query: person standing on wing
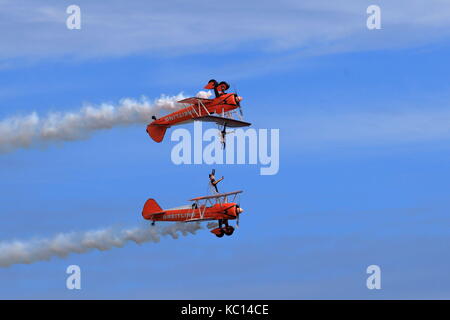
point(213, 181)
point(219, 88)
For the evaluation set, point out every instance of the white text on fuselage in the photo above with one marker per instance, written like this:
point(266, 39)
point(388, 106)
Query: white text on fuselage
point(176, 116)
point(178, 216)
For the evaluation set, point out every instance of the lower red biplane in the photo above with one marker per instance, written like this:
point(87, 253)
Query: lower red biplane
point(221, 207)
point(221, 110)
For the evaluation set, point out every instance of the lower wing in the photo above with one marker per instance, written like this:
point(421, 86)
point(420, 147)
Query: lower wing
point(231, 123)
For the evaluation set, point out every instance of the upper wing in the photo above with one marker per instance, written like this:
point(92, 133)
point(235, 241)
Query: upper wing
point(219, 195)
point(232, 123)
point(194, 100)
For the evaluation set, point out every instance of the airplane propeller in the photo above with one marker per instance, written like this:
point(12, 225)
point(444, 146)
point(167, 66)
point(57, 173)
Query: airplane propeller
point(238, 212)
point(238, 102)
point(238, 99)
point(237, 216)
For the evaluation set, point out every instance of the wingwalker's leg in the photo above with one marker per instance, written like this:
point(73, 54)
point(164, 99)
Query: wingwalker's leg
point(223, 135)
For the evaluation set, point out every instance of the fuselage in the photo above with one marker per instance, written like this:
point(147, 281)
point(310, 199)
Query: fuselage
point(214, 212)
point(219, 105)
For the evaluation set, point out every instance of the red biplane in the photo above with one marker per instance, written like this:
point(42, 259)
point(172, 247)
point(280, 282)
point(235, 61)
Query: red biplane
point(221, 110)
point(221, 207)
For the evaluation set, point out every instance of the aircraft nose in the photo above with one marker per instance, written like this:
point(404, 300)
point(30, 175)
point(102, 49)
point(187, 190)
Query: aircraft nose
point(239, 98)
point(239, 210)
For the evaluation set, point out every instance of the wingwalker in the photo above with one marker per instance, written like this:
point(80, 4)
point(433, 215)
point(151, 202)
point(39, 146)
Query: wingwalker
point(221, 110)
point(220, 206)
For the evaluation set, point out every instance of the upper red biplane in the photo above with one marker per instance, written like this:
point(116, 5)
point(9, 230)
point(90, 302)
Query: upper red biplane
point(220, 110)
point(221, 207)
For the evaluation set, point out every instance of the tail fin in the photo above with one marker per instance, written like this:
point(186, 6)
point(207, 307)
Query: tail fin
point(156, 132)
point(150, 207)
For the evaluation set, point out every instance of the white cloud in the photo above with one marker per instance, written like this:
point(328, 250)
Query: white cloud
point(37, 29)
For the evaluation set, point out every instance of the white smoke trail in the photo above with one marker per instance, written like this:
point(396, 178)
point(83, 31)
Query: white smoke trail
point(26, 252)
point(34, 130)
point(211, 225)
point(204, 94)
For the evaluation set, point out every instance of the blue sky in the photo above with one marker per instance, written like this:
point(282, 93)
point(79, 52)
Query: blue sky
point(364, 156)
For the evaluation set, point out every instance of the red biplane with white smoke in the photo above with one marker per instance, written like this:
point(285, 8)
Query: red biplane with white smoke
point(220, 206)
point(221, 110)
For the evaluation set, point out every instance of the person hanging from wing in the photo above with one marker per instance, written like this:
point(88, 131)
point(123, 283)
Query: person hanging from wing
point(219, 88)
point(213, 181)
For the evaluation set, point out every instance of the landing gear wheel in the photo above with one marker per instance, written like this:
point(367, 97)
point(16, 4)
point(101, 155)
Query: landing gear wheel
point(219, 235)
point(219, 232)
point(229, 230)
